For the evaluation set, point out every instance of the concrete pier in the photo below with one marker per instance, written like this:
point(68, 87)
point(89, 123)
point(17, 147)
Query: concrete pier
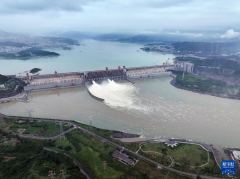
point(93, 96)
point(130, 81)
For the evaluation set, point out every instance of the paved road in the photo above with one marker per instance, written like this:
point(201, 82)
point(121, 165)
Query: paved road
point(111, 143)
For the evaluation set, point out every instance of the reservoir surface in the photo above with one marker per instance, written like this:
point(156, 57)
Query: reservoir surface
point(151, 107)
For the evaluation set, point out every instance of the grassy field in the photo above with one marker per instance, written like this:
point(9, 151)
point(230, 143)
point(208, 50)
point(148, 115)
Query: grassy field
point(107, 133)
point(192, 154)
point(152, 172)
point(187, 157)
point(90, 152)
point(35, 127)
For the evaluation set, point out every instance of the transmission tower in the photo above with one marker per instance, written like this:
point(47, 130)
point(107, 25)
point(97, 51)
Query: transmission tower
point(2, 122)
point(63, 173)
point(5, 139)
point(13, 141)
point(62, 136)
point(90, 126)
point(29, 111)
point(183, 75)
point(104, 165)
point(51, 174)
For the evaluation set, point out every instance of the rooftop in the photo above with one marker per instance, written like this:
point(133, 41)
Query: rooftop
point(123, 157)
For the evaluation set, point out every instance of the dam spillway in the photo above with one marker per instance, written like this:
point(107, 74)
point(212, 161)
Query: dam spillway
point(64, 80)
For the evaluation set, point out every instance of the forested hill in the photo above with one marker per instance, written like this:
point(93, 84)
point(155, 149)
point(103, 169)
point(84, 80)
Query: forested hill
point(213, 48)
point(3, 79)
point(62, 40)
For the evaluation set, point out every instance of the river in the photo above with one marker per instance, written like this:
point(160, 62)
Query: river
point(152, 107)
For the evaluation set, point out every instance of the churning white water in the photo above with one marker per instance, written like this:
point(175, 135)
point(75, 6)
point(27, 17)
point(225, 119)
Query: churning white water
point(123, 96)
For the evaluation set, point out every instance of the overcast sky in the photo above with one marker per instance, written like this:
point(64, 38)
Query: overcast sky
point(190, 17)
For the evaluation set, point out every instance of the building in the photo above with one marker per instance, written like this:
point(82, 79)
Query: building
point(184, 66)
point(123, 158)
point(149, 71)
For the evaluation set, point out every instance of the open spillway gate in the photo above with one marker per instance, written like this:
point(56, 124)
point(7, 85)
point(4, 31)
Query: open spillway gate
point(104, 75)
point(101, 75)
point(101, 99)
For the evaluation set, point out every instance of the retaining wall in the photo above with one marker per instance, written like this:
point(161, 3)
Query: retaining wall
point(51, 86)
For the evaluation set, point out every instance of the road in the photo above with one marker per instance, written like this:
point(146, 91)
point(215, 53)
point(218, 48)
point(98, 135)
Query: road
point(109, 142)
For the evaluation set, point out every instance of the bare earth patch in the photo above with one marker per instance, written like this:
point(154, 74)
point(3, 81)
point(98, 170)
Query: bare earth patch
point(5, 159)
point(20, 131)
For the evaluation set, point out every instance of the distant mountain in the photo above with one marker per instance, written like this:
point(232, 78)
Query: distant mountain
point(4, 34)
point(88, 35)
point(149, 38)
point(62, 40)
point(112, 36)
point(213, 48)
point(75, 35)
point(7, 34)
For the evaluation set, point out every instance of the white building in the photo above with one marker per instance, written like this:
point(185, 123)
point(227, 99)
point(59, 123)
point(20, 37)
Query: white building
point(2, 86)
point(184, 66)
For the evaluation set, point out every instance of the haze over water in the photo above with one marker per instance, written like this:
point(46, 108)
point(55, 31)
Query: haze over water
point(151, 107)
point(95, 55)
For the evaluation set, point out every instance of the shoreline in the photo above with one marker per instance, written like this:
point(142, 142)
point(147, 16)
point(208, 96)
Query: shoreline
point(172, 82)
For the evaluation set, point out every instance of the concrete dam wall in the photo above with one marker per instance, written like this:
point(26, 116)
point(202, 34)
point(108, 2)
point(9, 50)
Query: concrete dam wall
point(64, 80)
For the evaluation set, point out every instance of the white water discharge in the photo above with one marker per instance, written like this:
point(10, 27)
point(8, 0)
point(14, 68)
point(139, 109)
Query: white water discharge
point(123, 96)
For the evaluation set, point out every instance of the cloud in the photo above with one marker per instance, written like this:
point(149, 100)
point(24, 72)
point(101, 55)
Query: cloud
point(159, 3)
point(190, 17)
point(230, 34)
point(185, 34)
point(168, 3)
point(34, 6)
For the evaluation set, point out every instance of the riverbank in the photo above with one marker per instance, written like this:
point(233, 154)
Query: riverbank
point(73, 138)
point(173, 83)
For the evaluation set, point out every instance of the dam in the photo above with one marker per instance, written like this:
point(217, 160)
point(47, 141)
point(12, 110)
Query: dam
point(71, 79)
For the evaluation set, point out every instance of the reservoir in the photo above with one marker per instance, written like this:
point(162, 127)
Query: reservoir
point(152, 107)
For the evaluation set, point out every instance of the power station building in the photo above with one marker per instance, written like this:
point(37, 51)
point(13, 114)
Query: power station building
point(184, 66)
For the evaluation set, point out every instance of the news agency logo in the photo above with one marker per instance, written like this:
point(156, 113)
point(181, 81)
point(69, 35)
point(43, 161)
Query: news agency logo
point(228, 167)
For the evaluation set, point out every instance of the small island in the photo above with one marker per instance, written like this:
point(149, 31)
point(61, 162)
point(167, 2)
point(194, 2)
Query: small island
point(32, 52)
point(35, 70)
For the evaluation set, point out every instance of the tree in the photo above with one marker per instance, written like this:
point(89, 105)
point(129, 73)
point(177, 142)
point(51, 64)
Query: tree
point(60, 147)
point(67, 148)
